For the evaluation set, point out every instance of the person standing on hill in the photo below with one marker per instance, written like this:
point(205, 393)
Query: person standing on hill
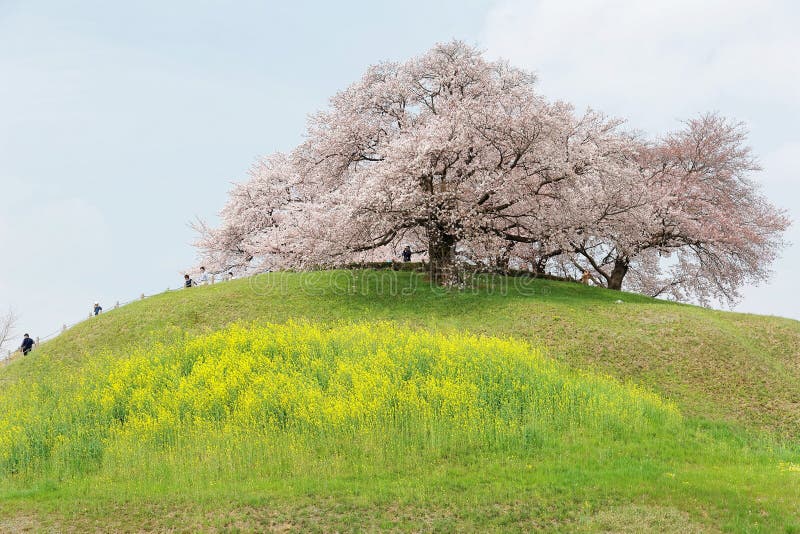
point(97, 309)
point(27, 344)
point(203, 276)
point(406, 254)
point(585, 278)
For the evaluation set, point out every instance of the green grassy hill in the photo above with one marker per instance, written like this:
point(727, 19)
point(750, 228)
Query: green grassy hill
point(381, 413)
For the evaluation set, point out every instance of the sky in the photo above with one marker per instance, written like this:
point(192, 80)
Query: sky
point(121, 122)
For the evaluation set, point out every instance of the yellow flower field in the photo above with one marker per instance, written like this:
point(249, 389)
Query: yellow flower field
point(305, 387)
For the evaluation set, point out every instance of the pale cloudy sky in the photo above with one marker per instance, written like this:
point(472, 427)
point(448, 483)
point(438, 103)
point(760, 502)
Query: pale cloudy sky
point(120, 122)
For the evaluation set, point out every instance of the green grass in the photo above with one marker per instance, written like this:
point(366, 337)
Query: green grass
point(729, 462)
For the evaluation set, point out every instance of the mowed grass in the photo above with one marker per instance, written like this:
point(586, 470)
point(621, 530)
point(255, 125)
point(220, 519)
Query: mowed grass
point(408, 424)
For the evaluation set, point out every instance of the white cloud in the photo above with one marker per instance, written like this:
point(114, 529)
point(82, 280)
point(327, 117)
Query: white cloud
point(671, 57)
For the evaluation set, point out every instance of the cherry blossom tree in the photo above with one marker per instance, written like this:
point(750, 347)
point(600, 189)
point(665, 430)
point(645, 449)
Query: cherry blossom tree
point(257, 221)
point(448, 147)
point(464, 160)
point(691, 222)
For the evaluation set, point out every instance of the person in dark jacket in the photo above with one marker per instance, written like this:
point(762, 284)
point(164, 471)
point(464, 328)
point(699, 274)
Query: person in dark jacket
point(27, 344)
point(187, 282)
point(407, 254)
point(97, 308)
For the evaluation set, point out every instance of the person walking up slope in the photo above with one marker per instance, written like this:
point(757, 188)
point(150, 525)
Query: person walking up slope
point(27, 345)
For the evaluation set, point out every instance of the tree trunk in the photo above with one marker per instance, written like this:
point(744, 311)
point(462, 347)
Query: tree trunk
point(618, 274)
point(540, 266)
point(441, 252)
point(502, 260)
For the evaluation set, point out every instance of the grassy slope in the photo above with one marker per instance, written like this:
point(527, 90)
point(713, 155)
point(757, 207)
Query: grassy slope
point(717, 366)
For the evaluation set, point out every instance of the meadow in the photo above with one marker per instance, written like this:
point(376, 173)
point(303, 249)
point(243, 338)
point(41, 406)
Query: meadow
point(362, 400)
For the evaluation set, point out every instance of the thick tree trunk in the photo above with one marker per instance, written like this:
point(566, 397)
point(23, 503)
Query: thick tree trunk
point(618, 274)
point(442, 255)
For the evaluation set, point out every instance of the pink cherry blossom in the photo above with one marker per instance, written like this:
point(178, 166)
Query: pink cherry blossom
point(464, 160)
